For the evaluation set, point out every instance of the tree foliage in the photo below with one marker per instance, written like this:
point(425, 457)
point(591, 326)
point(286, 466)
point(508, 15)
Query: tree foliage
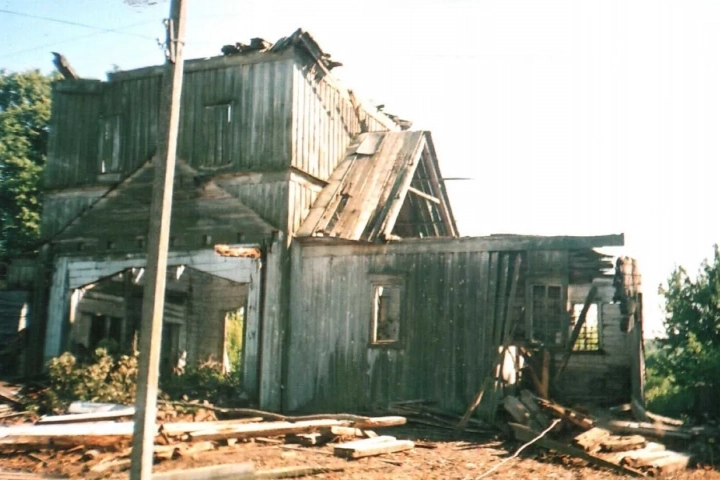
point(24, 116)
point(691, 351)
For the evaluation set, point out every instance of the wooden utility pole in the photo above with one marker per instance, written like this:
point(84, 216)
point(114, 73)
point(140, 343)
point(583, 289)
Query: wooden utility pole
point(158, 235)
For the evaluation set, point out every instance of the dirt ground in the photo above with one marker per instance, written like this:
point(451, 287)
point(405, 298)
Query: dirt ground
point(467, 457)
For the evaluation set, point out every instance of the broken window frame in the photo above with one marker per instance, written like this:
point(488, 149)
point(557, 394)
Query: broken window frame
point(395, 284)
point(585, 342)
point(217, 129)
point(109, 142)
point(539, 319)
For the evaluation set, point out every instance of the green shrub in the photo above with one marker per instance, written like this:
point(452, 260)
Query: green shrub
point(204, 381)
point(106, 379)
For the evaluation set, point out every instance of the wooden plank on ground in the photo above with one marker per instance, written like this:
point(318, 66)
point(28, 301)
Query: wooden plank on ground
point(644, 459)
point(87, 417)
point(616, 443)
point(266, 429)
point(591, 439)
point(380, 422)
point(517, 410)
point(235, 471)
point(294, 472)
point(649, 429)
point(651, 447)
point(180, 428)
point(371, 447)
point(574, 417)
point(525, 434)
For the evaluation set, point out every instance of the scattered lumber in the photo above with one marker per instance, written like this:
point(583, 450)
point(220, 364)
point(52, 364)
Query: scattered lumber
point(616, 443)
point(173, 429)
point(591, 440)
point(380, 422)
point(102, 469)
point(666, 420)
point(525, 434)
point(649, 429)
point(88, 417)
point(644, 459)
point(669, 464)
point(651, 447)
point(295, 472)
point(517, 410)
point(265, 429)
point(308, 439)
point(372, 446)
point(235, 471)
point(419, 413)
point(573, 416)
point(94, 407)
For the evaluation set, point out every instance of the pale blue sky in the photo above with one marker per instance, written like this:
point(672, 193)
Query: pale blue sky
point(572, 117)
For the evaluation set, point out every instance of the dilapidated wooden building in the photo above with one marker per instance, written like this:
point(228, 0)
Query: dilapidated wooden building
point(325, 225)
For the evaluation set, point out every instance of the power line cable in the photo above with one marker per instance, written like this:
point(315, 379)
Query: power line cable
point(84, 25)
point(72, 39)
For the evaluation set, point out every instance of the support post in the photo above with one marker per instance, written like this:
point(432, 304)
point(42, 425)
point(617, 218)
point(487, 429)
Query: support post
point(158, 236)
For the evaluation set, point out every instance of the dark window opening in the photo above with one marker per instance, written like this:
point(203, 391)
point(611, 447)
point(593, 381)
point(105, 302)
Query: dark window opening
point(103, 330)
point(109, 148)
point(547, 314)
point(386, 314)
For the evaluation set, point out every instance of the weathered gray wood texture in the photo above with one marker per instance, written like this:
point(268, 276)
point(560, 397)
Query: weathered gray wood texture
point(268, 113)
point(451, 326)
point(446, 341)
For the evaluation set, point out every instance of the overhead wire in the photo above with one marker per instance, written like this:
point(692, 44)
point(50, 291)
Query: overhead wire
point(99, 31)
point(77, 24)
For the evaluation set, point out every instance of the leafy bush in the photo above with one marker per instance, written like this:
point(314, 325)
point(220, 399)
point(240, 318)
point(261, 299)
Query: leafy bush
point(106, 379)
point(204, 381)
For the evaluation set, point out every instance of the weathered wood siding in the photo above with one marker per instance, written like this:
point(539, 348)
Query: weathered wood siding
point(60, 208)
point(256, 135)
point(457, 302)
point(74, 135)
point(323, 122)
point(446, 344)
point(251, 134)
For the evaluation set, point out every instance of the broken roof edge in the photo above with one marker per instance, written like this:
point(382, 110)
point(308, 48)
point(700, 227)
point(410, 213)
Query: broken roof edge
point(286, 48)
point(441, 183)
point(464, 244)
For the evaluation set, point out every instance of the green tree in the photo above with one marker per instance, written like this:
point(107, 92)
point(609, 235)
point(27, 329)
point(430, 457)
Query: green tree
point(24, 116)
point(691, 351)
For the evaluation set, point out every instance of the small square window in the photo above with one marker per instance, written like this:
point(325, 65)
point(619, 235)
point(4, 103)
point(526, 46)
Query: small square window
point(386, 314)
point(589, 338)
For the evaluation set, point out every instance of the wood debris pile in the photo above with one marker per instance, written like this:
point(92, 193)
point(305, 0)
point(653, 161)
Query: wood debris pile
point(99, 435)
point(622, 446)
point(422, 412)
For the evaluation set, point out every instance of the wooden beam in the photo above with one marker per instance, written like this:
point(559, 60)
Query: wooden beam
point(372, 446)
point(158, 241)
point(424, 195)
point(525, 434)
point(456, 245)
point(576, 332)
point(236, 471)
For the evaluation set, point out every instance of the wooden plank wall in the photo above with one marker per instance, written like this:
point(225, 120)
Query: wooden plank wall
point(60, 208)
point(258, 139)
point(260, 96)
point(323, 123)
point(73, 142)
point(447, 344)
